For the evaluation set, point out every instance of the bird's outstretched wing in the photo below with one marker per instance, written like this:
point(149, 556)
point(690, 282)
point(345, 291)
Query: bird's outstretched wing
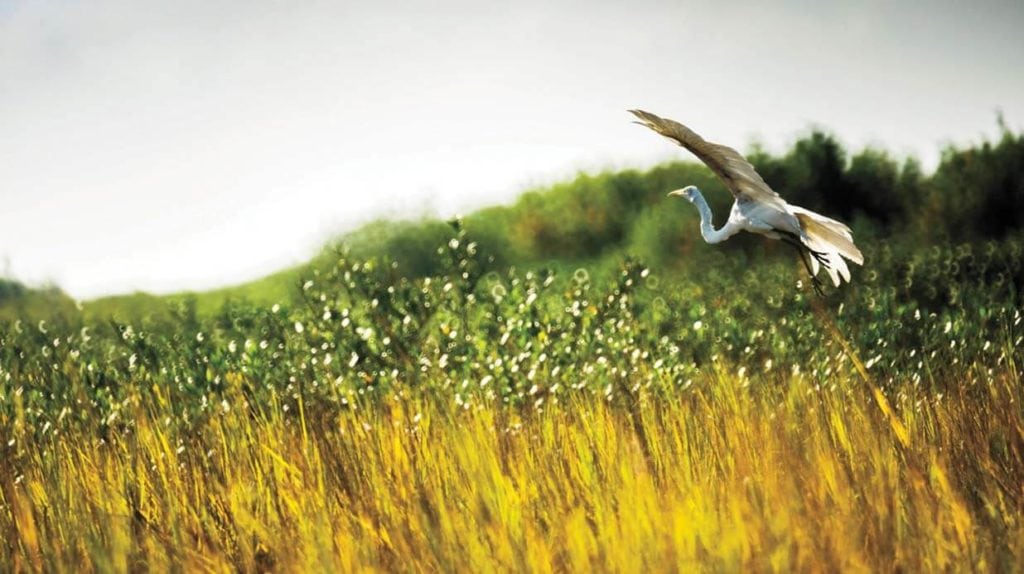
point(732, 168)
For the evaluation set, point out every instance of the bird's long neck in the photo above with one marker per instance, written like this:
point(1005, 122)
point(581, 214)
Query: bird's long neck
point(707, 228)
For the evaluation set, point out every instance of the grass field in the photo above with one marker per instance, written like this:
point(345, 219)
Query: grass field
point(795, 476)
point(531, 420)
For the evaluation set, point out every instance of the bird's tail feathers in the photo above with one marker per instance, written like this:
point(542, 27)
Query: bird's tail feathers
point(825, 235)
point(827, 242)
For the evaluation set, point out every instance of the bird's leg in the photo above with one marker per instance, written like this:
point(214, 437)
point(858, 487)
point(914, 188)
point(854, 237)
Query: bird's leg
point(820, 257)
point(815, 282)
point(804, 255)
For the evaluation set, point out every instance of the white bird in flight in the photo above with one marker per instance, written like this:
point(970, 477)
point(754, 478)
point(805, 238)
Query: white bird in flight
point(821, 241)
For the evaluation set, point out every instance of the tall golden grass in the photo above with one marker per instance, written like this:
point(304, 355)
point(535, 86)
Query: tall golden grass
point(776, 475)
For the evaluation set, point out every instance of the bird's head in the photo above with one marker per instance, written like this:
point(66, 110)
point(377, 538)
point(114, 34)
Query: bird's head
point(687, 193)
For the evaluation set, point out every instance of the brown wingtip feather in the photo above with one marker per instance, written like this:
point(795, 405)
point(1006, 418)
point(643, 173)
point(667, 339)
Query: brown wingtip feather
point(644, 117)
point(647, 118)
point(674, 131)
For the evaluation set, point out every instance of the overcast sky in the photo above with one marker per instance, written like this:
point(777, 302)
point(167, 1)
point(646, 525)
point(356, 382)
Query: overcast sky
point(189, 144)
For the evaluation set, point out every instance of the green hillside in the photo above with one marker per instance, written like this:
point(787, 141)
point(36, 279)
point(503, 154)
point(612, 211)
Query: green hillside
point(17, 301)
point(277, 287)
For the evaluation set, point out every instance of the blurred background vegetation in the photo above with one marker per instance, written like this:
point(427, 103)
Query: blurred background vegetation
point(975, 195)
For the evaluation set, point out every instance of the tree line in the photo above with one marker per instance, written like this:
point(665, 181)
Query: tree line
point(975, 193)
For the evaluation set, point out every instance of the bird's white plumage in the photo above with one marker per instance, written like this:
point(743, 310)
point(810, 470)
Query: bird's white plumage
point(822, 241)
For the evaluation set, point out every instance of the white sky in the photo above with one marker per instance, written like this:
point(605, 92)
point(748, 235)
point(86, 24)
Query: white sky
point(189, 144)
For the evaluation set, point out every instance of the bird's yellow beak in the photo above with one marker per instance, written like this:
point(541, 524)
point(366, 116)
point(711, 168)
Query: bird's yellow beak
point(676, 193)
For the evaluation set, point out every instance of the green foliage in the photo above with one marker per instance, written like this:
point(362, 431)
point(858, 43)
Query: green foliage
point(360, 326)
point(979, 191)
